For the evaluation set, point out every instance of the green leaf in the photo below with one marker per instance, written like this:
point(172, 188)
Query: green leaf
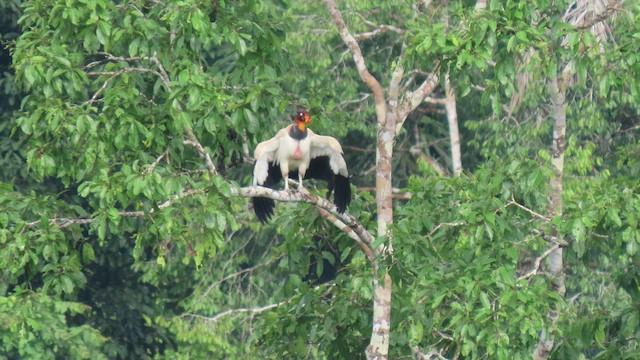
point(329, 257)
point(438, 299)
point(484, 299)
point(416, 332)
point(87, 253)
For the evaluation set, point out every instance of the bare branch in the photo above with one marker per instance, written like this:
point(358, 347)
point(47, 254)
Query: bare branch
point(378, 30)
point(438, 101)
point(345, 221)
point(397, 193)
point(66, 222)
point(156, 162)
point(204, 155)
point(539, 216)
point(413, 99)
point(536, 264)
point(236, 311)
point(365, 75)
point(164, 75)
point(217, 283)
point(113, 75)
point(419, 355)
point(352, 234)
point(354, 101)
point(437, 227)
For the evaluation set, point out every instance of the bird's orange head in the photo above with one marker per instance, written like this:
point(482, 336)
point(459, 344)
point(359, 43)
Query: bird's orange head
point(302, 118)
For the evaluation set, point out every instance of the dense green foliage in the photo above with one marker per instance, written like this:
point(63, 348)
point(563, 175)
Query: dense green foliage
point(96, 98)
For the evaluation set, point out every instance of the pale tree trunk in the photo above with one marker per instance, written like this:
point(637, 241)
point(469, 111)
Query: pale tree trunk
point(378, 348)
point(454, 133)
point(559, 116)
point(584, 14)
point(391, 114)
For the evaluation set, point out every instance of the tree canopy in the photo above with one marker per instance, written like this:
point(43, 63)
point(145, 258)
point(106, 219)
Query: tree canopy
point(493, 149)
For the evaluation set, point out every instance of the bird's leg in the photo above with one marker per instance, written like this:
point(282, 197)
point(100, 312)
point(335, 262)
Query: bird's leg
point(286, 182)
point(300, 181)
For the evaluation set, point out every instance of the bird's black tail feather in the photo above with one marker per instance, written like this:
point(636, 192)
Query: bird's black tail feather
point(263, 208)
point(341, 193)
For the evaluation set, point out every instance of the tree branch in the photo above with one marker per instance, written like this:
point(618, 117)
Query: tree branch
point(419, 355)
point(539, 216)
point(166, 81)
point(345, 222)
point(66, 222)
point(236, 311)
point(113, 75)
point(354, 47)
point(156, 162)
point(609, 10)
point(413, 99)
point(378, 30)
point(352, 234)
point(536, 264)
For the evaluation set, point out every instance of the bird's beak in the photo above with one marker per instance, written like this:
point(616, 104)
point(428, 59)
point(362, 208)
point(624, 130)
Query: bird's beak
point(307, 119)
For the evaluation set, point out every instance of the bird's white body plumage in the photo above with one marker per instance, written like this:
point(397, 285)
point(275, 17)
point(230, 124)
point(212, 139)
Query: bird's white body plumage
point(312, 156)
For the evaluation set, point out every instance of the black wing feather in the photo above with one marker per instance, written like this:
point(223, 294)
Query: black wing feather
point(342, 194)
point(263, 207)
point(319, 168)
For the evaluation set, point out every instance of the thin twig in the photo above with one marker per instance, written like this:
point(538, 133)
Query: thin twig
point(156, 162)
point(396, 193)
point(378, 30)
point(540, 216)
point(433, 231)
point(228, 312)
point(66, 222)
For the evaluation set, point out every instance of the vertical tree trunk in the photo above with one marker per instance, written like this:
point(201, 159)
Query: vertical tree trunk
point(559, 115)
point(391, 116)
point(378, 348)
point(454, 133)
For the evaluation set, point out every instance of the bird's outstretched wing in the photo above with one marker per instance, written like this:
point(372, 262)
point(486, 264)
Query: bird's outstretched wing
point(266, 172)
point(327, 163)
point(265, 154)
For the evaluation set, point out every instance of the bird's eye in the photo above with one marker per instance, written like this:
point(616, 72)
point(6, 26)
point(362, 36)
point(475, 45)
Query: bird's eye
point(301, 114)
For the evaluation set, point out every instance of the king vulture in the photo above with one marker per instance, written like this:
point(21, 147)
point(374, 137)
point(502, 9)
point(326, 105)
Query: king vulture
point(298, 148)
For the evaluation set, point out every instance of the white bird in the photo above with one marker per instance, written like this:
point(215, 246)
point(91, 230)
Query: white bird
point(297, 148)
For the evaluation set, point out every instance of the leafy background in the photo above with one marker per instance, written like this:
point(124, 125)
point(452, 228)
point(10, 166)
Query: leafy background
point(96, 99)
